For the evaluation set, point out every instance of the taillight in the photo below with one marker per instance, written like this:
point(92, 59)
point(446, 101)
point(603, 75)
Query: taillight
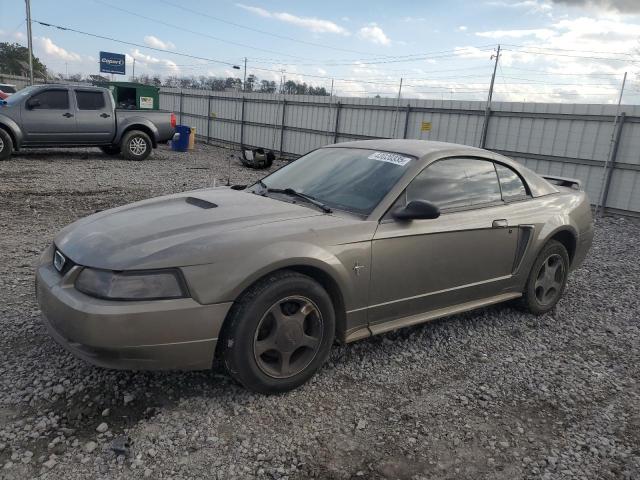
point(173, 120)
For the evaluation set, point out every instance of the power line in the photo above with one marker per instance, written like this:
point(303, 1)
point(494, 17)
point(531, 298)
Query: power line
point(184, 29)
point(569, 49)
point(545, 72)
point(103, 37)
point(264, 32)
point(585, 57)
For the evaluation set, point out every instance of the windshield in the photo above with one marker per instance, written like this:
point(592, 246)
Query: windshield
point(20, 94)
point(350, 179)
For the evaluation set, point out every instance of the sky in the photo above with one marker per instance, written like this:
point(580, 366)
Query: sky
point(551, 50)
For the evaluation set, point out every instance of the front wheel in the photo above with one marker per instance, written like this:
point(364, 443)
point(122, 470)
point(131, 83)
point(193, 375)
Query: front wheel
point(136, 145)
point(6, 145)
point(547, 279)
point(279, 333)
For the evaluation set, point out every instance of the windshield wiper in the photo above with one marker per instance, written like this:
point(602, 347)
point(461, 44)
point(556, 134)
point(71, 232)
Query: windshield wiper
point(308, 198)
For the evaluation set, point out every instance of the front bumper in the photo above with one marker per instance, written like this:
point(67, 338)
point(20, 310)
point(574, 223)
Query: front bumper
point(142, 335)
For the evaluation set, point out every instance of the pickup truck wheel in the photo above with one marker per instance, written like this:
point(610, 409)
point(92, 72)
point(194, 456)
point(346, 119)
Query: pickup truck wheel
point(111, 149)
point(136, 145)
point(279, 333)
point(6, 145)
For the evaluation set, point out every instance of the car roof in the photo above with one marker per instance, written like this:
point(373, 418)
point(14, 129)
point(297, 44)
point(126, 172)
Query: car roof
point(416, 148)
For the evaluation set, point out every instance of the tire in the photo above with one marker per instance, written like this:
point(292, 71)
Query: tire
point(111, 149)
point(136, 145)
point(279, 333)
point(547, 279)
point(6, 145)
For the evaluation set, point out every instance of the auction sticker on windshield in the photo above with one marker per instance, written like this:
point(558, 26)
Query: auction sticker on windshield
point(390, 158)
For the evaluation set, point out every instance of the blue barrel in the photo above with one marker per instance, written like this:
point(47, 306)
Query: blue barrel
point(182, 143)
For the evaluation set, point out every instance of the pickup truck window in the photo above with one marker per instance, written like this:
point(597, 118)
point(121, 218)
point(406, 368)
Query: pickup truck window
point(50, 100)
point(89, 100)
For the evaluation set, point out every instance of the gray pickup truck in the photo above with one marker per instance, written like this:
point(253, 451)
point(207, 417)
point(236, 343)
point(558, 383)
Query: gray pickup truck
point(79, 116)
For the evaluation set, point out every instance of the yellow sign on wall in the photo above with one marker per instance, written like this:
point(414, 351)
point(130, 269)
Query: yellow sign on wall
point(426, 127)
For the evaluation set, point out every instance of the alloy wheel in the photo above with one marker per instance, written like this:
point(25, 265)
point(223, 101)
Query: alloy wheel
point(137, 145)
point(288, 337)
point(1, 145)
point(550, 279)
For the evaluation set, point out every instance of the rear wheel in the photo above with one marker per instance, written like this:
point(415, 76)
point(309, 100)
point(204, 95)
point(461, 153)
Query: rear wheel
point(111, 149)
point(136, 145)
point(6, 145)
point(547, 279)
point(279, 333)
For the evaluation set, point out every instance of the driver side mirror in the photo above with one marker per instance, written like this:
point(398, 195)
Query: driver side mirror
point(33, 103)
point(417, 210)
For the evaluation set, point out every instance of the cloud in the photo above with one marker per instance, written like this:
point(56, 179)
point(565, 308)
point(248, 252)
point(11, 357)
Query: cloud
point(623, 6)
point(374, 34)
point(317, 25)
point(155, 42)
point(56, 51)
point(532, 6)
point(540, 33)
point(462, 28)
point(153, 63)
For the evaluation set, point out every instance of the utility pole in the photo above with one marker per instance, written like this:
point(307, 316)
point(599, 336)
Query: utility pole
point(487, 112)
point(30, 41)
point(331, 93)
point(133, 75)
point(612, 152)
point(244, 81)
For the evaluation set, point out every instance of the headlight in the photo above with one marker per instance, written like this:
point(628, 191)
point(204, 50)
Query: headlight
point(141, 285)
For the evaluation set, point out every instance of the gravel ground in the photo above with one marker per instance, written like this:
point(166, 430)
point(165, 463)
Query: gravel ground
point(494, 394)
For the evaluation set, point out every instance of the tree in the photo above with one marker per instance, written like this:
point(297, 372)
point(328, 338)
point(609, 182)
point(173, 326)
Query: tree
point(233, 83)
point(267, 86)
point(14, 60)
point(172, 81)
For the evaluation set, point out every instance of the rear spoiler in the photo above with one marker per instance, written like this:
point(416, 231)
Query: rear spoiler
point(564, 182)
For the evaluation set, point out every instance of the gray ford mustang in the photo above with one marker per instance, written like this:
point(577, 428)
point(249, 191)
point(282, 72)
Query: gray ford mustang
point(348, 241)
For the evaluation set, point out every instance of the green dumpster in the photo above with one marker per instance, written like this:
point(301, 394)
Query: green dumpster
point(131, 95)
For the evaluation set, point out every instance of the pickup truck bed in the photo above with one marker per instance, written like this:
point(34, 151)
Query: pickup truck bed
point(79, 116)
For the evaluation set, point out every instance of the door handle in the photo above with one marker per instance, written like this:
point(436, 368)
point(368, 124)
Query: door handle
point(68, 115)
point(105, 115)
point(500, 223)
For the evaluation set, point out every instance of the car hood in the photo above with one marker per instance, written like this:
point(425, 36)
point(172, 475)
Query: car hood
point(174, 230)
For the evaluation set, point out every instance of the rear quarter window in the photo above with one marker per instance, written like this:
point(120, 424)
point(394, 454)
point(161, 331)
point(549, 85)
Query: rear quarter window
point(511, 184)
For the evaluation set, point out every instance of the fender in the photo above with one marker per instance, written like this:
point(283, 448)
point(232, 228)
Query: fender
point(136, 121)
point(235, 275)
point(14, 130)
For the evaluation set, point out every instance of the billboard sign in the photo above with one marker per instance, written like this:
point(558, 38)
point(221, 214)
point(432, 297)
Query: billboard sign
point(112, 63)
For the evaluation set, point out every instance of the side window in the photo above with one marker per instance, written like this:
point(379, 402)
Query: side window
point(456, 182)
point(511, 183)
point(50, 100)
point(89, 100)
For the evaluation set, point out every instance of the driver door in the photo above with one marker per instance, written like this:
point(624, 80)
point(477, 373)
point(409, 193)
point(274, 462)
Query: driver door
point(48, 117)
point(465, 254)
